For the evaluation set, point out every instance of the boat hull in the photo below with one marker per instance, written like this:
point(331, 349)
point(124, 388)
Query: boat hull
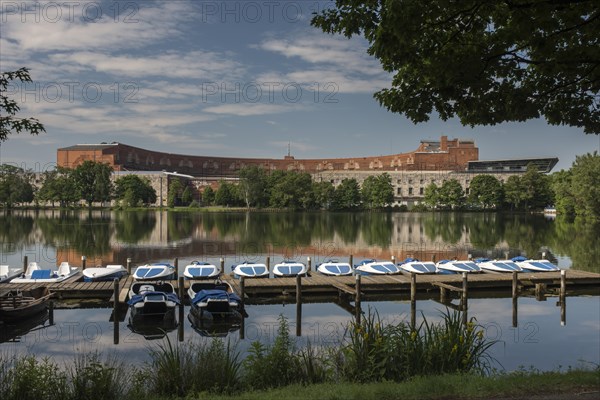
point(17, 305)
point(335, 269)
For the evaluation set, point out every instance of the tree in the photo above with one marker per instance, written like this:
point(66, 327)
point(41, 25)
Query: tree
point(134, 190)
point(253, 185)
point(208, 196)
point(58, 185)
point(564, 200)
point(585, 185)
point(347, 195)
point(323, 194)
point(485, 62)
point(92, 180)
point(431, 195)
point(513, 192)
point(292, 190)
point(9, 108)
point(451, 194)
point(174, 193)
point(536, 193)
point(486, 191)
point(377, 191)
point(224, 195)
point(187, 196)
point(15, 185)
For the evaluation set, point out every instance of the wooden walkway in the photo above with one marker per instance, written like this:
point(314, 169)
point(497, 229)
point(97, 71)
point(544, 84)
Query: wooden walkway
point(261, 290)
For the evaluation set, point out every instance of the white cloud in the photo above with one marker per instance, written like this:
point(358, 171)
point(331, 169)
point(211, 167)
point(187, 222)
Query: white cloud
point(248, 109)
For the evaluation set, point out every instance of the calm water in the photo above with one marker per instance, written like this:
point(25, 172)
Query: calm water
point(539, 340)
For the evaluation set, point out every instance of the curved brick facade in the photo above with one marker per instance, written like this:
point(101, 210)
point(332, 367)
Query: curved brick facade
point(445, 155)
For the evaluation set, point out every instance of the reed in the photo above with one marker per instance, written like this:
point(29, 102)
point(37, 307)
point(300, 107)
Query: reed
point(30, 379)
point(376, 352)
point(92, 377)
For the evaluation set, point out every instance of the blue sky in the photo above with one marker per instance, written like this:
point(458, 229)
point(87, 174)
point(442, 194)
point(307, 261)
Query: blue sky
point(223, 78)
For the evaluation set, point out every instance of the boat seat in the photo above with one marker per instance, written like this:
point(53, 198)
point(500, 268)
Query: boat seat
point(221, 287)
point(41, 274)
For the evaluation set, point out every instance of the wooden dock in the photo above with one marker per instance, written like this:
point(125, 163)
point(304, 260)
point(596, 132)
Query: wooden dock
point(316, 286)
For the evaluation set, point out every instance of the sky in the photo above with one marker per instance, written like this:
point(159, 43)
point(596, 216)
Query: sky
point(220, 78)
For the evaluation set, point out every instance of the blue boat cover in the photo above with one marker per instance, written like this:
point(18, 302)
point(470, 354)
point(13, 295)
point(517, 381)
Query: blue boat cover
point(140, 297)
point(544, 265)
point(294, 270)
point(201, 271)
point(206, 294)
point(338, 269)
point(41, 274)
point(519, 258)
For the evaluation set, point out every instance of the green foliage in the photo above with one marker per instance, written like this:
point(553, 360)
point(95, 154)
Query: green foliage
point(451, 195)
point(292, 190)
point(253, 186)
point(174, 193)
point(91, 377)
point(486, 192)
point(134, 190)
point(531, 191)
point(564, 200)
point(585, 185)
point(484, 62)
point(347, 195)
point(377, 191)
point(9, 108)
point(323, 194)
point(31, 379)
point(187, 196)
point(15, 185)
point(208, 196)
point(431, 195)
point(512, 191)
point(225, 195)
point(92, 180)
point(376, 352)
point(58, 185)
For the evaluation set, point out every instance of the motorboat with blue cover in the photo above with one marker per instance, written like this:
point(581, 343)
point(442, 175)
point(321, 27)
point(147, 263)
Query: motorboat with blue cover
point(498, 266)
point(289, 268)
point(37, 274)
point(214, 300)
point(334, 268)
point(529, 265)
point(200, 270)
point(107, 273)
point(374, 267)
point(414, 266)
point(250, 270)
point(457, 266)
point(7, 273)
point(152, 299)
point(155, 271)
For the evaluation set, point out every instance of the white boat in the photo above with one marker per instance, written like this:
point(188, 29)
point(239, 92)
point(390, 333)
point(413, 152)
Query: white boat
point(200, 270)
point(529, 265)
point(374, 267)
point(214, 300)
point(7, 273)
point(107, 273)
point(412, 265)
point(334, 268)
point(35, 273)
point(458, 266)
point(152, 299)
point(250, 270)
point(498, 266)
point(153, 272)
point(289, 268)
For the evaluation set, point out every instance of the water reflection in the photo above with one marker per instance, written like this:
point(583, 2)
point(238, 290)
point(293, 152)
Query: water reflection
point(145, 236)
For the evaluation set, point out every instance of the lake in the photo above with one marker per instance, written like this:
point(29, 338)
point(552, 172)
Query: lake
point(106, 237)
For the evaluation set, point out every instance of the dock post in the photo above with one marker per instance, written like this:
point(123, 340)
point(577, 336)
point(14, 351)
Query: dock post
point(176, 264)
point(433, 258)
point(351, 261)
point(222, 265)
point(25, 263)
point(465, 296)
point(181, 290)
point(443, 295)
point(515, 296)
point(308, 265)
point(129, 265)
point(357, 309)
point(394, 260)
point(242, 290)
point(298, 305)
point(83, 262)
point(116, 311)
point(540, 291)
point(268, 263)
point(470, 257)
point(563, 297)
point(413, 300)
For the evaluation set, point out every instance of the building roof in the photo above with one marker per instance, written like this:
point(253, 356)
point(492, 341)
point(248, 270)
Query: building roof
point(544, 165)
point(91, 146)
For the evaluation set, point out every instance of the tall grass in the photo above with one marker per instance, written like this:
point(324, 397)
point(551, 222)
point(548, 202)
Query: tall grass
point(177, 370)
point(91, 377)
point(374, 351)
